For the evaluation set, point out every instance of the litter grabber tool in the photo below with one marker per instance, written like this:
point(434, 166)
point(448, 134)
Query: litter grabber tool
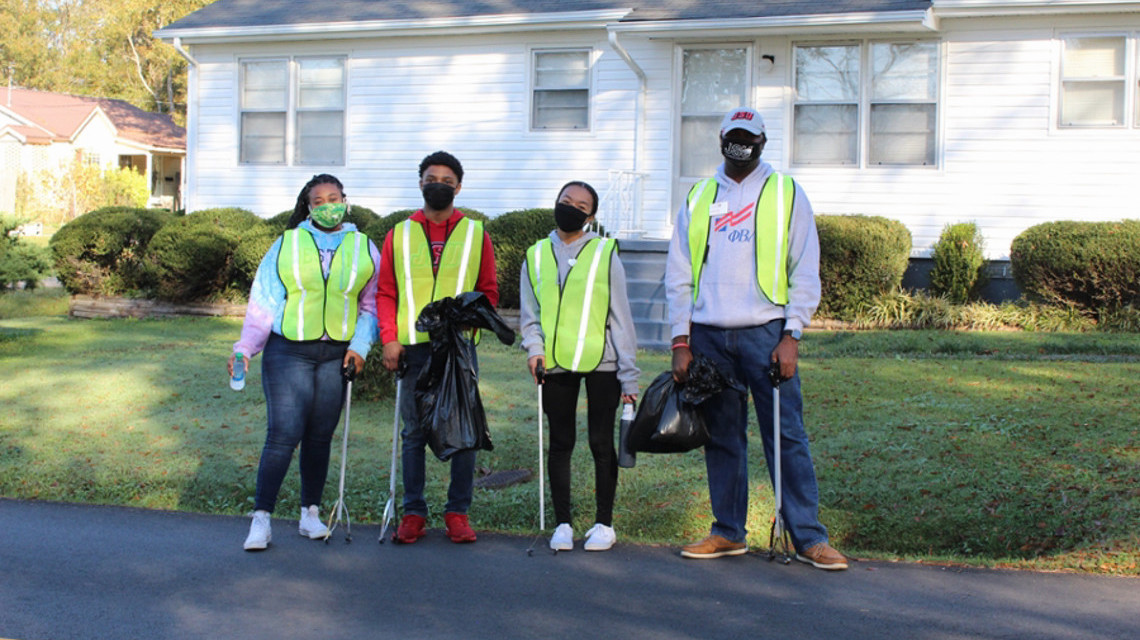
point(540, 380)
point(340, 510)
point(779, 536)
point(390, 507)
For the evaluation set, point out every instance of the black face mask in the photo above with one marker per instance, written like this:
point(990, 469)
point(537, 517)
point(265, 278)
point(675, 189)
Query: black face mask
point(438, 195)
point(568, 218)
point(739, 154)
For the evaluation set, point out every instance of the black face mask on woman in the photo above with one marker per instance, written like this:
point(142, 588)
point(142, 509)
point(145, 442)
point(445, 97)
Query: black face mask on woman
point(568, 218)
point(438, 195)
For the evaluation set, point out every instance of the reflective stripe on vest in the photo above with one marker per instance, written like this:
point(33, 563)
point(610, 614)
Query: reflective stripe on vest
point(418, 285)
point(573, 314)
point(773, 212)
point(316, 305)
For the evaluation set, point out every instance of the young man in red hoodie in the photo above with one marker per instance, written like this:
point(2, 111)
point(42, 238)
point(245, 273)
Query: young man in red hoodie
point(436, 253)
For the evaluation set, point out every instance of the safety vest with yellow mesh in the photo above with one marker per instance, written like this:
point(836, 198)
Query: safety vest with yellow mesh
point(573, 314)
point(418, 285)
point(773, 222)
point(316, 305)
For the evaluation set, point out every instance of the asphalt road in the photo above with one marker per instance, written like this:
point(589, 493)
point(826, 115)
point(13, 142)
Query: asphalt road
point(77, 571)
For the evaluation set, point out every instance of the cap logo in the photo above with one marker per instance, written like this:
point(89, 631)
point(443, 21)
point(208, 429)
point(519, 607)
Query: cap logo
point(742, 115)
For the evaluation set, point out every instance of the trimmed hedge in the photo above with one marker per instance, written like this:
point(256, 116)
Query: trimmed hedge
point(193, 256)
point(959, 271)
point(512, 234)
point(861, 257)
point(1094, 266)
point(102, 252)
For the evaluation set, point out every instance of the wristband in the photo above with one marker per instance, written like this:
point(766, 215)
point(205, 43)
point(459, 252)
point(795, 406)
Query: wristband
point(680, 344)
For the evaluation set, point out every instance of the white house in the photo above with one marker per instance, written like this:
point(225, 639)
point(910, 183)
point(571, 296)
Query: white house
point(41, 130)
point(1008, 113)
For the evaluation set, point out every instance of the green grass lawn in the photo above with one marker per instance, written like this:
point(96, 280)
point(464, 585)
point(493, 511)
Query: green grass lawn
point(996, 449)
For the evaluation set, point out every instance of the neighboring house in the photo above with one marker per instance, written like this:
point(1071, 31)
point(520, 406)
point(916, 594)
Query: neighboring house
point(40, 130)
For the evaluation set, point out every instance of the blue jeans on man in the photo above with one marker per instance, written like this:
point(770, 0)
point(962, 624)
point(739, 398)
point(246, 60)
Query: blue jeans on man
point(746, 353)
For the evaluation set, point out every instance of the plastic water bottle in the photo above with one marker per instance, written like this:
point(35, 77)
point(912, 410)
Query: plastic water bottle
point(626, 458)
point(237, 383)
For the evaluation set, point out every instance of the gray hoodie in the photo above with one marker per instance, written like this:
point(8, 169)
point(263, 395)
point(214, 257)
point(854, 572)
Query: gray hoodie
point(621, 338)
point(729, 297)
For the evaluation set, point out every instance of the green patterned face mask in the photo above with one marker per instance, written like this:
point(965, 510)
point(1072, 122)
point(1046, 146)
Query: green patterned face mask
point(329, 214)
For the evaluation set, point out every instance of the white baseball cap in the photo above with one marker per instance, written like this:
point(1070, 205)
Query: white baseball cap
point(743, 118)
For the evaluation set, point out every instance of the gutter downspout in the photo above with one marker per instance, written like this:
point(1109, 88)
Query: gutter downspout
point(639, 124)
point(189, 177)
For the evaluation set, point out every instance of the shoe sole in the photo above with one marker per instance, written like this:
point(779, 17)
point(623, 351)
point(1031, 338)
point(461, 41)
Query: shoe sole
point(826, 567)
point(257, 547)
point(315, 535)
point(607, 548)
point(561, 547)
point(463, 540)
point(714, 554)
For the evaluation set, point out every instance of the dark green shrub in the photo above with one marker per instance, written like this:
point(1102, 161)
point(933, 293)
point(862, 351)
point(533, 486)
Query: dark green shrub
point(19, 260)
point(193, 256)
point(378, 228)
point(250, 249)
point(375, 382)
point(959, 271)
point(860, 257)
point(512, 234)
point(1094, 266)
point(101, 252)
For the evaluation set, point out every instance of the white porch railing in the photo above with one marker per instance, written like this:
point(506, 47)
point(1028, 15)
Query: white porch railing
point(620, 208)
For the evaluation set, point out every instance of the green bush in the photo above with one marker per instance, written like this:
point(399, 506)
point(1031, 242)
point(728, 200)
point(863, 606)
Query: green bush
point(101, 252)
point(512, 234)
point(193, 256)
point(248, 252)
point(1094, 266)
point(19, 260)
point(378, 228)
point(861, 257)
point(959, 271)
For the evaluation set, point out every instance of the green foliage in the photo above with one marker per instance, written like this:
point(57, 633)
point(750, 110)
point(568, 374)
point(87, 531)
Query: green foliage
point(1094, 266)
point(902, 310)
point(101, 252)
point(512, 234)
point(959, 271)
point(378, 228)
point(20, 261)
point(193, 256)
point(860, 257)
point(124, 187)
point(247, 254)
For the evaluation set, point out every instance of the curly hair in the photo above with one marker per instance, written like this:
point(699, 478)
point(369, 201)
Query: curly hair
point(445, 159)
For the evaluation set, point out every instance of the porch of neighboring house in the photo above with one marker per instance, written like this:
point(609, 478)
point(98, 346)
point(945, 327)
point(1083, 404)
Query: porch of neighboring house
point(164, 177)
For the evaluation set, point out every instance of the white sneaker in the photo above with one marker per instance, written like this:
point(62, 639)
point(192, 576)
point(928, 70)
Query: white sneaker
point(259, 532)
point(311, 524)
point(563, 538)
point(600, 538)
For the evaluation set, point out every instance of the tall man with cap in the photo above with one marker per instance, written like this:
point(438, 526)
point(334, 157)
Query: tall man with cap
point(742, 281)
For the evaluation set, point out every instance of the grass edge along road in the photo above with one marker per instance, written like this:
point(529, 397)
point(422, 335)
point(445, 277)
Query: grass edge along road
point(991, 449)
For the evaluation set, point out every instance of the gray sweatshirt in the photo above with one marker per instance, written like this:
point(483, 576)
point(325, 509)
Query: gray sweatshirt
point(729, 296)
point(621, 338)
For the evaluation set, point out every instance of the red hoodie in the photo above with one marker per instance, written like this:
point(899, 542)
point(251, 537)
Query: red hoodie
point(388, 292)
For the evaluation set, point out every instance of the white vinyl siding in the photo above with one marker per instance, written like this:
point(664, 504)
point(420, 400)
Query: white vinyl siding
point(561, 95)
point(1093, 81)
point(293, 109)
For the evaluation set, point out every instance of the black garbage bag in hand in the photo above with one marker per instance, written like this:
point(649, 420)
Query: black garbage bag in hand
point(447, 390)
point(669, 419)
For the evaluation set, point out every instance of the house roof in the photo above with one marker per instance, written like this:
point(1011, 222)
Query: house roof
point(268, 13)
point(60, 116)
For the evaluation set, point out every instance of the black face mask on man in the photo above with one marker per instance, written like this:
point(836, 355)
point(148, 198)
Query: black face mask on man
point(569, 218)
point(739, 154)
point(438, 195)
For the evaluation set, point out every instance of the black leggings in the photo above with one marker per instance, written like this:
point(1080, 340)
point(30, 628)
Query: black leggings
point(560, 403)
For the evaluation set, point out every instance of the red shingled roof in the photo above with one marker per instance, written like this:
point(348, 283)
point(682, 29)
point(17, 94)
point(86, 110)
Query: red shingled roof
point(62, 115)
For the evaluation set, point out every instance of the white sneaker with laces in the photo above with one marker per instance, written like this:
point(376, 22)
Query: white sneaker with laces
point(260, 534)
point(600, 538)
point(563, 538)
point(311, 524)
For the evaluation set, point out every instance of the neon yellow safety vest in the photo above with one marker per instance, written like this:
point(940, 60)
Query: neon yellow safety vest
point(773, 214)
point(316, 305)
point(573, 315)
point(418, 285)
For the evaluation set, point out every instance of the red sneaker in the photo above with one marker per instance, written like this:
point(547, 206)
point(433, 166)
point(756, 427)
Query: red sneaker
point(411, 529)
point(457, 527)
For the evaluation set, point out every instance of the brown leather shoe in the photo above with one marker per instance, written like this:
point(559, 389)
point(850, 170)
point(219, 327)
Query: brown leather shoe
point(713, 546)
point(822, 556)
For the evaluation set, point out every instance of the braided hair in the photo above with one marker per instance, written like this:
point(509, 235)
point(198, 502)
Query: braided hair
point(301, 209)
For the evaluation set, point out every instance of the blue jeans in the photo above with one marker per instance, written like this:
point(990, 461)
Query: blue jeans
point(415, 441)
point(304, 392)
point(747, 354)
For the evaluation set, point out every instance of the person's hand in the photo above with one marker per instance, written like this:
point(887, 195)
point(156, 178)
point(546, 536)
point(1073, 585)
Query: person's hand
point(353, 359)
point(230, 363)
point(390, 355)
point(533, 363)
point(787, 353)
point(682, 358)
point(629, 398)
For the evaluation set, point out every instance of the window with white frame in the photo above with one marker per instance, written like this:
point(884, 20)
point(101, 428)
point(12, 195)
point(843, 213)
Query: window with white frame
point(292, 111)
point(866, 104)
point(560, 97)
point(1093, 81)
point(714, 81)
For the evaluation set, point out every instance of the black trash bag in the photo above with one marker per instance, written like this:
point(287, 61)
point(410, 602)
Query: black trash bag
point(669, 419)
point(447, 390)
